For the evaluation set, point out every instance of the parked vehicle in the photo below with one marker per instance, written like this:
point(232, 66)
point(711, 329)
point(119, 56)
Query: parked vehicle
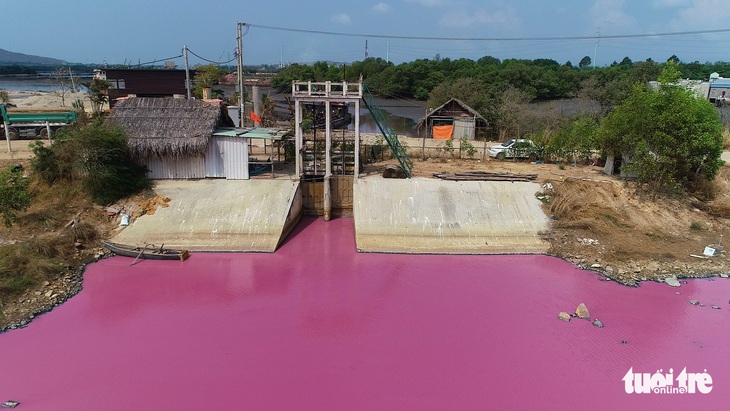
point(34, 124)
point(515, 148)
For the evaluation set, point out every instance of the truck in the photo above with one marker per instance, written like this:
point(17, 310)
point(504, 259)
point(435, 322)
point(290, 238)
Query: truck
point(34, 124)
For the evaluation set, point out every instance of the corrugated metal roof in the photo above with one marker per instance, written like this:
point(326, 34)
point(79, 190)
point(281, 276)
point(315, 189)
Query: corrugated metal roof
point(258, 132)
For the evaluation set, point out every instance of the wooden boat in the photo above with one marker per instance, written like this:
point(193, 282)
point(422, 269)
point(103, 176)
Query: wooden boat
point(149, 251)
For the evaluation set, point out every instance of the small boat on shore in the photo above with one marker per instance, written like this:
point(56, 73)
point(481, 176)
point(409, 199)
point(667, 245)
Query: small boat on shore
point(149, 251)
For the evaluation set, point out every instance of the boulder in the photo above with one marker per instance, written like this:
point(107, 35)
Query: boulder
point(672, 281)
point(564, 316)
point(582, 312)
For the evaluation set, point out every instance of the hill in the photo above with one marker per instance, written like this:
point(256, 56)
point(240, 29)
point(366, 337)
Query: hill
point(9, 57)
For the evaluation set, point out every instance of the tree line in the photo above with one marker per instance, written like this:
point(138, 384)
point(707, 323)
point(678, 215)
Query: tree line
point(543, 79)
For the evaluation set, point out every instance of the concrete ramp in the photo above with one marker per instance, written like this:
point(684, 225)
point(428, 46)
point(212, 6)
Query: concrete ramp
point(219, 215)
point(453, 217)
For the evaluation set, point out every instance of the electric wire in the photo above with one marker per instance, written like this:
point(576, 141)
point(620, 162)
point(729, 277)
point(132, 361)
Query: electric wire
point(590, 37)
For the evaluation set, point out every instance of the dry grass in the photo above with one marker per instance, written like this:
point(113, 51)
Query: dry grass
point(588, 205)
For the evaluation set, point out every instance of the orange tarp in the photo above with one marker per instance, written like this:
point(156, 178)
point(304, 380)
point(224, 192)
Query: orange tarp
point(442, 132)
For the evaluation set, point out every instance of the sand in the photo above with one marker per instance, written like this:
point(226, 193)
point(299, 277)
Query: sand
point(51, 100)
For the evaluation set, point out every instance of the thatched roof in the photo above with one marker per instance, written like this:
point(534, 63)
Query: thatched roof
point(166, 127)
point(453, 108)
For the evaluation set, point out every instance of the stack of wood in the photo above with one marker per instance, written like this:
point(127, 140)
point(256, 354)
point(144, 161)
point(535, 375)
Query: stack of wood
point(485, 176)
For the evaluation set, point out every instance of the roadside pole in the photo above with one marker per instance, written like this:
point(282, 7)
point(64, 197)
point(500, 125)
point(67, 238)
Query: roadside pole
point(7, 137)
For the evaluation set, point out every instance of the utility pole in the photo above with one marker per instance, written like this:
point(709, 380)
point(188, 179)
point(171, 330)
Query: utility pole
point(187, 71)
point(73, 84)
point(366, 49)
point(387, 51)
point(595, 50)
point(239, 37)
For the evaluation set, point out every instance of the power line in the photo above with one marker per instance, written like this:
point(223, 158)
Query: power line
point(211, 61)
point(591, 37)
point(157, 61)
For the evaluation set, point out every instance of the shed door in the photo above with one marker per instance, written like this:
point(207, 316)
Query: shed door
point(464, 128)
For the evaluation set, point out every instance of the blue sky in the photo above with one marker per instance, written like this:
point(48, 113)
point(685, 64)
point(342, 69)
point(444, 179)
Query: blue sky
point(146, 30)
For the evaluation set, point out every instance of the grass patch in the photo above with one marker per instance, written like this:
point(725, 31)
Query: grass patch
point(696, 226)
point(577, 204)
point(26, 265)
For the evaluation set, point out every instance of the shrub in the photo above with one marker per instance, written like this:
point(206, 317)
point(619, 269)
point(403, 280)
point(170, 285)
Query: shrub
point(14, 196)
point(96, 155)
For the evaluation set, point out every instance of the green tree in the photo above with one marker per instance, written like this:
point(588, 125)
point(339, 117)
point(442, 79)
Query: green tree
point(14, 196)
point(97, 156)
point(471, 91)
point(585, 62)
point(511, 112)
point(672, 138)
point(98, 89)
point(206, 76)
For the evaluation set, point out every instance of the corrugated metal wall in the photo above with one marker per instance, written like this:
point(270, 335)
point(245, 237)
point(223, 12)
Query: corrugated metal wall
point(464, 128)
point(214, 165)
point(173, 169)
point(224, 158)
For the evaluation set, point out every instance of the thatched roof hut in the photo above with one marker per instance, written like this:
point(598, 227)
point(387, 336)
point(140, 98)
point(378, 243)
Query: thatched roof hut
point(168, 127)
point(456, 113)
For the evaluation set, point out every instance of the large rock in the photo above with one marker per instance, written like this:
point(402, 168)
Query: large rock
point(564, 316)
point(582, 311)
point(672, 281)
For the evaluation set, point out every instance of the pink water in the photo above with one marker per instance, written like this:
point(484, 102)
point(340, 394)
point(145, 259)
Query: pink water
point(317, 326)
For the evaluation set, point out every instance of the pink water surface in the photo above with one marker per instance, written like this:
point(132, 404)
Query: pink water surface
point(317, 326)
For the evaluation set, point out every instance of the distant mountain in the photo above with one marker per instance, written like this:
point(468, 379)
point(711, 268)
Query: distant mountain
point(8, 57)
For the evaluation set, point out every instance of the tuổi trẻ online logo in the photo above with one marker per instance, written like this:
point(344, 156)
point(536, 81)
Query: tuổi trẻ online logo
point(666, 383)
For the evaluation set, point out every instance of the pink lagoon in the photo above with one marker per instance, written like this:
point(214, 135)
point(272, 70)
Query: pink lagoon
point(318, 326)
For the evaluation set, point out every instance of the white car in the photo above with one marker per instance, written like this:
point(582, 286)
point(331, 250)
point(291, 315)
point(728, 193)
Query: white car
point(515, 148)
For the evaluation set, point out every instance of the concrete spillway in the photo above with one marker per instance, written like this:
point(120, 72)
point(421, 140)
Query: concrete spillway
point(436, 216)
point(219, 215)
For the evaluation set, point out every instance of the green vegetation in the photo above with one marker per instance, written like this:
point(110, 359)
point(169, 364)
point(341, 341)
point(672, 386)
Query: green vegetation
point(98, 93)
point(206, 77)
point(14, 196)
point(97, 155)
point(500, 90)
point(672, 138)
point(84, 162)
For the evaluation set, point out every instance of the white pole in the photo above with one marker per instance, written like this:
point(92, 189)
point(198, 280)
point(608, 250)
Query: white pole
point(7, 137)
point(187, 71)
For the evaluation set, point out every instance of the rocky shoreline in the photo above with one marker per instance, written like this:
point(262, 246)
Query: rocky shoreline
point(632, 273)
point(48, 296)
